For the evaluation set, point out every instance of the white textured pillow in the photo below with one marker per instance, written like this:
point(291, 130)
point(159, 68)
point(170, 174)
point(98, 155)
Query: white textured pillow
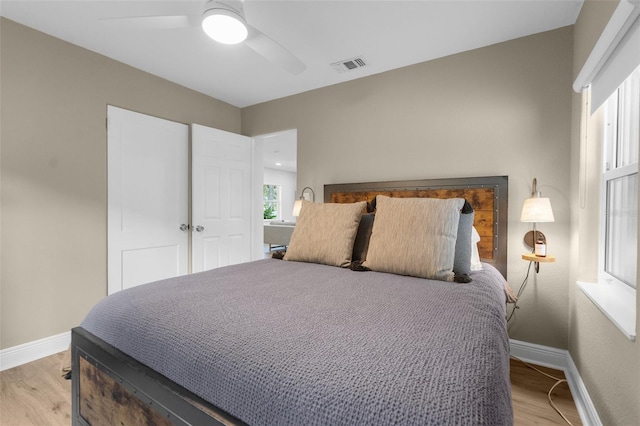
point(476, 265)
point(415, 236)
point(324, 233)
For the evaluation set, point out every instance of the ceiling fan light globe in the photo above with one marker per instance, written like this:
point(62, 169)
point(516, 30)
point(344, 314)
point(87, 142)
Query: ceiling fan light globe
point(224, 27)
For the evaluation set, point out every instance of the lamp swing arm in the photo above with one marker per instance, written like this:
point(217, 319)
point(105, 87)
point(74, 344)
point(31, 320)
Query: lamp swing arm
point(298, 204)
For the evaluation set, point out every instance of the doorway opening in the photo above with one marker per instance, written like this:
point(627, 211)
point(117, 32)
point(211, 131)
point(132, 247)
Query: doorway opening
point(279, 187)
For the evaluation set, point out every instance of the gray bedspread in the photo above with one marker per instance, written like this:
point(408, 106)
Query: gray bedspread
point(274, 342)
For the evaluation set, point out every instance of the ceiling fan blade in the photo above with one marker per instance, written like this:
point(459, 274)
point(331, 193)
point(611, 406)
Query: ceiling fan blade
point(157, 22)
point(274, 52)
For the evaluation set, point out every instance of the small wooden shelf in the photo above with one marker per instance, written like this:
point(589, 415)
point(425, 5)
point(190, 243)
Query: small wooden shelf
point(533, 258)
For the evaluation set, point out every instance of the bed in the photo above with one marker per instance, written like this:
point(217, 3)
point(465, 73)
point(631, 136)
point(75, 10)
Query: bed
point(298, 341)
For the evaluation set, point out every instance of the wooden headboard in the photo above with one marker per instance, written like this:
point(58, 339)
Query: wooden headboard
point(488, 195)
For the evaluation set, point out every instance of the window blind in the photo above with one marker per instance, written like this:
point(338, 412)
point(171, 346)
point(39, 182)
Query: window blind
point(615, 55)
point(622, 62)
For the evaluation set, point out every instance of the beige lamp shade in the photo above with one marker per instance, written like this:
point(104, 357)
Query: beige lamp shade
point(537, 209)
point(296, 208)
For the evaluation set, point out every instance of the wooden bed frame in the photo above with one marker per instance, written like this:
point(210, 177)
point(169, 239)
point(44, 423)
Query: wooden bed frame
point(109, 387)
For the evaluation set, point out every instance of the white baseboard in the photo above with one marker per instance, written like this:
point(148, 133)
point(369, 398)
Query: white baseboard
point(31, 351)
point(561, 360)
point(539, 355)
point(585, 406)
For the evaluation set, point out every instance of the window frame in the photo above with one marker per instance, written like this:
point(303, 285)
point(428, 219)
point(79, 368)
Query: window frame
point(615, 299)
point(277, 201)
point(610, 172)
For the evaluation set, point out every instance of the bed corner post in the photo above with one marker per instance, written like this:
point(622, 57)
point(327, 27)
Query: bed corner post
point(75, 388)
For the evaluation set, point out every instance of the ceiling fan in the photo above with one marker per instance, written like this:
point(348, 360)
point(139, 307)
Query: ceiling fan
point(224, 22)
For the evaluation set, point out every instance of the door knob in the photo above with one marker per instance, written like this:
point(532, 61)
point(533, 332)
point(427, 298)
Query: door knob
point(199, 228)
point(184, 227)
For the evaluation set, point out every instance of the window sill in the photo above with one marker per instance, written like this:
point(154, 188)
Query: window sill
point(617, 302)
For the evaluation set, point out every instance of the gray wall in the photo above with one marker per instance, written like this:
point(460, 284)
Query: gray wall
point(53, 172)
point(608, 362)
point(500, 110)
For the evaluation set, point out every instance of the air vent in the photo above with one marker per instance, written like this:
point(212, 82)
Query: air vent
point(349, 64)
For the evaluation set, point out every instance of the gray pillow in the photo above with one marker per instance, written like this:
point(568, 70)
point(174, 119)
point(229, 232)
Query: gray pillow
point(361, 244)
point(462, 259)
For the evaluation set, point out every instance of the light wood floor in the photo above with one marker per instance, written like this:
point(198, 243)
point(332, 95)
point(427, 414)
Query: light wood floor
point(35, 394)
point(530, 402)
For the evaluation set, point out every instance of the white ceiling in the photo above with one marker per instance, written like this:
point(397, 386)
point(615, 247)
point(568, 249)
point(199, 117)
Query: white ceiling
point(280, 150)
point(388, 34)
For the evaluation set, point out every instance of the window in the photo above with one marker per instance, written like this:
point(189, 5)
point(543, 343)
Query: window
point(619, 215)
point(615, 292)
point(271, 198)
point(609, 72)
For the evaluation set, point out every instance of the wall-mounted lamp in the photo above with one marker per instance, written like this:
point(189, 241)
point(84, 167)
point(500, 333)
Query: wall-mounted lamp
point(536, 209)
point(298, 204)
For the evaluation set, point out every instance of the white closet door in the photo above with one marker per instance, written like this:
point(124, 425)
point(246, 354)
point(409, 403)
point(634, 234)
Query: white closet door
point(147, 198)
point(222, 201)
